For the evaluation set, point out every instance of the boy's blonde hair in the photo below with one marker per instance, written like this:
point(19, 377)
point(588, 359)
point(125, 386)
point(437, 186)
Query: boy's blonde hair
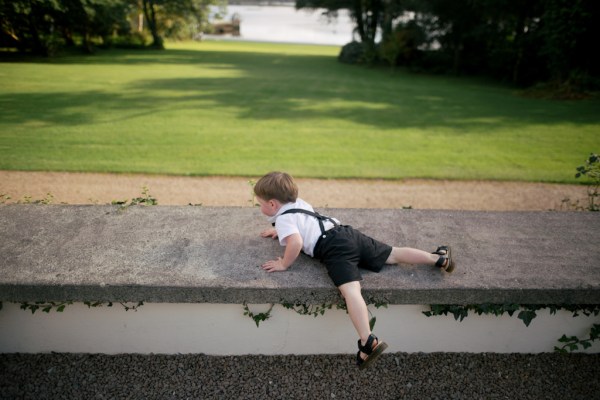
point(277, 185)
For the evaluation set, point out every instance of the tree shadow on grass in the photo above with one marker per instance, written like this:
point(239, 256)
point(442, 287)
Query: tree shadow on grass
point(69, 109)
point(269, 86)
point(304, 88)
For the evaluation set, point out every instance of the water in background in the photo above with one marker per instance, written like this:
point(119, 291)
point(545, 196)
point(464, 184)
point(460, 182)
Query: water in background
point(287, 25)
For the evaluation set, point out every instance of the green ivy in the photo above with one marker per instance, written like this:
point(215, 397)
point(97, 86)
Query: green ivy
point(527, 314)
point(312, 309)
point(257, 318)
point(572, 343)
point(45, 306)
point(591, 170)
point(126, 306)
point(308, 309)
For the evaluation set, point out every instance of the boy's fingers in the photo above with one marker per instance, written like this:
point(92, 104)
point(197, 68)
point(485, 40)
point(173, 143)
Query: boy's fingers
point(270, 266)
point(267, 265)
point(268, 234)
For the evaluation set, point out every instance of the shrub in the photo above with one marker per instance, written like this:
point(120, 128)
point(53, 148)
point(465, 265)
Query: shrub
point(352, 53)
point(591, 169)
point(133, 40)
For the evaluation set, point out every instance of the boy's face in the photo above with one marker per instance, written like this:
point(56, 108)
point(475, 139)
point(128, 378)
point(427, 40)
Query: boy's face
point(269, 207)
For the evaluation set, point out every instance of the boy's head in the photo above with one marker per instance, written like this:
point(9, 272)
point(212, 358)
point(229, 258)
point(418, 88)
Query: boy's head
point(278, 186)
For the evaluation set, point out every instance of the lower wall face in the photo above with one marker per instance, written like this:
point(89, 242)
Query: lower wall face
point(222, 329)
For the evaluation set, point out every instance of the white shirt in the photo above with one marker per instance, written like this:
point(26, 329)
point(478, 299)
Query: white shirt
point(305, 225)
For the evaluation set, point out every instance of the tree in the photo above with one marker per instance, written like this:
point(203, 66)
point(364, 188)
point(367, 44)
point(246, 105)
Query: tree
point(28, 24)
point(159, 13)
point(90, 19)
point(523, 42)
point(42, 26)
point(565, 24)
point(367, 14)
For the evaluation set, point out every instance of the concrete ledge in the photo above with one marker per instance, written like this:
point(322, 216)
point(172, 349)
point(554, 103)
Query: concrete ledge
point(211, 255)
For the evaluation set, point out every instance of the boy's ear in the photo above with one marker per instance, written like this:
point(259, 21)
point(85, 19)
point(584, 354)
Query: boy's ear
point(275, 203)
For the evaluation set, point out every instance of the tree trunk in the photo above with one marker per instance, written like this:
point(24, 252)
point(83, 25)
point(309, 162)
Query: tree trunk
point(150, 13)
point(359, 15)
point(518, 49)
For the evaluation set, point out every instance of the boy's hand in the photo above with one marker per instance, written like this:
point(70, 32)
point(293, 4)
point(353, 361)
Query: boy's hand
point(293, 246)
point(271, 232)
point(274, 265)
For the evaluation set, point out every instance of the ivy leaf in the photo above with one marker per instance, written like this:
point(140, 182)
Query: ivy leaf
point(511, 309)
point(595, 332)
point(573, 347)
point(372, 322)
point(527, 316)
point(564, 339)
point(559, 350)
point(554, 309)
point(460, 312)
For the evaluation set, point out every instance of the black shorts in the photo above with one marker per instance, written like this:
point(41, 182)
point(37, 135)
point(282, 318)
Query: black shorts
point(344, 250)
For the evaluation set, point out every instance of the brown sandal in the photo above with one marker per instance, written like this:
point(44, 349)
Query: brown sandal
point(445, 261)
point(372, 353)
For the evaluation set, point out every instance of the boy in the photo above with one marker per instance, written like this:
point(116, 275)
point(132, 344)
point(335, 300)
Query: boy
point(341, 248)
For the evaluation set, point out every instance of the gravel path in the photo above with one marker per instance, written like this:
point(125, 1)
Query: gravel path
point(94, 188)
point(400, 375)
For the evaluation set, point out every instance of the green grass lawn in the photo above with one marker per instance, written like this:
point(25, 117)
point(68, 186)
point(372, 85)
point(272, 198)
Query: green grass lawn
point(227, 108)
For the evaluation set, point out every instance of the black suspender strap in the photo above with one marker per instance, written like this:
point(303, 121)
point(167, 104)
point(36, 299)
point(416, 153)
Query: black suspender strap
point(318, 216)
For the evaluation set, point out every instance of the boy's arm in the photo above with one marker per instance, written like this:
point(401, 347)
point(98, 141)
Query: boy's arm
point(293, 246)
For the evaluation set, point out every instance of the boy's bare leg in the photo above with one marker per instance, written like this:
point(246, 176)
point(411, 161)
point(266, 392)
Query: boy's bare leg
point(357, 309)
point(408, 255)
